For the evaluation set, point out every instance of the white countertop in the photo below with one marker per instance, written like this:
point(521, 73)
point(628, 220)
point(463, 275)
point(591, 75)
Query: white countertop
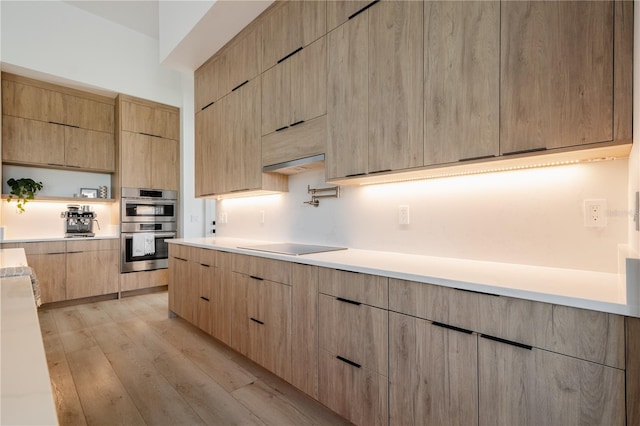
point(43, 240)
point(25, 387)
point(599, 291)
point(12, 258)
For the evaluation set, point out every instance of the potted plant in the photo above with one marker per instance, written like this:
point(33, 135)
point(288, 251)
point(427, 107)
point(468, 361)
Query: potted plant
point(23, 190)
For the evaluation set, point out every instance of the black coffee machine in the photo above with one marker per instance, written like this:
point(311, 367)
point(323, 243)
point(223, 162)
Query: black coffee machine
point(79, 221)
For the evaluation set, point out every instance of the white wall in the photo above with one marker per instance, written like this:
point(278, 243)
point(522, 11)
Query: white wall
point(528, 216)
point(177, 19)
point(634, 159)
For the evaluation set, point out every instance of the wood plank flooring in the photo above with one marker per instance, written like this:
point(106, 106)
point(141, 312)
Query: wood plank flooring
point(124, 362)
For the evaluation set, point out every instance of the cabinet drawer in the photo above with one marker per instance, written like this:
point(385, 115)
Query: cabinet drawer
point(144, 279)
point(369, 289)
point(358, 333)
point(267, 269)
point(585, 334)
point(358, 394)
point(181, 252)
point(93, 245)
point(204, 256)
point(301, 141)
point(55, 247)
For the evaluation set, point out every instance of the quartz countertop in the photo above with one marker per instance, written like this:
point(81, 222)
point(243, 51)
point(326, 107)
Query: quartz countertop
point(44, 240)
point(25, 387)
point(599, 291)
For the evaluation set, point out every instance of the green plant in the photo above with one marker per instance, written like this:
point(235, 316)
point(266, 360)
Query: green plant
point(23, 190)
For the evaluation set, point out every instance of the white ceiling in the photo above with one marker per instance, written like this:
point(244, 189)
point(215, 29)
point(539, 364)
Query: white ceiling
point(138, 15)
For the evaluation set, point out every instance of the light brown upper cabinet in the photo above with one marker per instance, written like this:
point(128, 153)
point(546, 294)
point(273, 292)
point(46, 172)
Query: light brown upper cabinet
point(461, 80)
point(374, 104)
point(149, 161)
point(210, 81)
point(340, 11)
point(290, 26)
point(558, 62)
point(146, 119)
point(294, 91)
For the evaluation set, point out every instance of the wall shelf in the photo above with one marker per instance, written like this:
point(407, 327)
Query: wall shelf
point(75, 200)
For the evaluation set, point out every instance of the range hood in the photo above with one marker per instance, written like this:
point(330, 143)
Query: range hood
point(296, 166)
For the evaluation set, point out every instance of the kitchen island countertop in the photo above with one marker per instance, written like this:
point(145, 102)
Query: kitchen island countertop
point(45, 240)
point(598, 291)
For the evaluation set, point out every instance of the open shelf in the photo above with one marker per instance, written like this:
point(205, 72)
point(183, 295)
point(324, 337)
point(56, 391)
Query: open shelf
point(75, 200)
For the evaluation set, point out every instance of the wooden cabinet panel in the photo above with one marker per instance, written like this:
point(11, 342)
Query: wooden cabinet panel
point(433, 374)
point(275, 343)
point(289, 26)
point(88, 149)
point(273, 270)
point(144, 279)
point(210, 82)
point(309, 82)
point(363, 288)
point(276, 97)
point(304, 140)
point(304, 328)
point(140, 118)
point(339, 11)
point(395, 86)
point(356, 332)
point(347, 99)
point(535, 387)
point(35, 103)
point(89, 114)
point(461, 80)
point(135, 160)
point(178, 280)
point(165, 164)
point(244, 307)
point(221, 293)
point(32, 142)
point(243, 58)
point(50, 269)
point(93, 245)
point(91, 273)
point(556, 73)
point(205, 300)
point(54, 247)
point(358, 394)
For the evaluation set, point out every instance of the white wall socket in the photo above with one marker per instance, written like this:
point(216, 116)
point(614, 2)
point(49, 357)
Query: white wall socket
point(403, 215)
point(223, 217)
point(595, 213)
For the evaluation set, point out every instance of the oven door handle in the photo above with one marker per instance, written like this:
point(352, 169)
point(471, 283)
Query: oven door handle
point(129, 236)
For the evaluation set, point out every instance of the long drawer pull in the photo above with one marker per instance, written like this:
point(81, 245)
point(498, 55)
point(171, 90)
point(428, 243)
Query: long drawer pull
point(72, 252)
point(355, 174)
point(525, 151)
point(55, 164)
point(348, 361)
point(290, 54)
point(150, 134)
point(57, 252)
point(363, 9)
point(63, 124)
point(256, 278)
point(452, 327)
point(179, 258)
point(477, 292)
point(282, 128)
point(205, 265)
point(352, 302)
point(256, 320)
point(207, 106)
point(206, 299)
point(508, 342)
point(482, 157)
point(239, 85)
point(297, 122)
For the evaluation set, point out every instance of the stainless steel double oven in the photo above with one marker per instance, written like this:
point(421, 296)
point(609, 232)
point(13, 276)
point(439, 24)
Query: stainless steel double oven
point(152, 212)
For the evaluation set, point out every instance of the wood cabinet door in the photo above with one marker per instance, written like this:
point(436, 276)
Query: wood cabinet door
point(395, 86)
point(165, 164)
point(276, 97)
point(221, 296)
point(245, 306)
point(32, 142)
point(204, 148)
point(210, 82)
point(92, 273)
point(139, 118)
point(308, 82)
point(243, 59)
point(178, 280)
point(205, 298)
point(536, 387)
point(461, 80)
point(290, 26)
point(275, 334)
point(304, 328)
point(135, 160)
point(50, 269)
point(35, 103)
point(433, 374)
point(347, 99)
point(88, 149)
point(556, 71)
point(89, 114)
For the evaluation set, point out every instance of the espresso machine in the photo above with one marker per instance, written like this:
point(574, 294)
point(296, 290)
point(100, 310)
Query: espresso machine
point(78, 221)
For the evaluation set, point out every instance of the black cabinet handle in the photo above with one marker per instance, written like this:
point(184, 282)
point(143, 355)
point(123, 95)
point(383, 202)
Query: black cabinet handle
point(57, 252)
point(297, 122)
point(239, 85)
point(525, 151)
point(63, 124)
point(508, 342)
point(482, 157)
point(179, 258)
point(204, 298)
point(477, 292)
point(380, 171)
point(290, 54)
point(348, 361)
point(355, 174)
point(352, 302)
point(452, 327)
point(256, 278)
point(150, 134)
point(282, 128)
point(239, 190)
point(54, 164)
point(207, 106)
point(255, 320)
point(205, 265)
point(363, 9)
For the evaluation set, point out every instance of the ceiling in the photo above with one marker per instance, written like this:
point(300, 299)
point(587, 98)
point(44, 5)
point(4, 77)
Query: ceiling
point(139, 15)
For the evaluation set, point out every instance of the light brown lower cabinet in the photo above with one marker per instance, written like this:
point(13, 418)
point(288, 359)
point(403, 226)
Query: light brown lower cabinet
point(92, 268)
point(178, 279)
point(50, 268)
point(144, 279)
point(521, 386)
point(433, 373)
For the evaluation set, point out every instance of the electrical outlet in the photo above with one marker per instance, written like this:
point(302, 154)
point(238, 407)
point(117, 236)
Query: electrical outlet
point(261, 217)
point(223, 217)
point(595, 215)
point(403, 215)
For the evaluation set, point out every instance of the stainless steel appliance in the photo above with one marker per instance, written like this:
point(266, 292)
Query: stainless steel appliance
point(149, 214)
point(78, 221)
point(292, 249)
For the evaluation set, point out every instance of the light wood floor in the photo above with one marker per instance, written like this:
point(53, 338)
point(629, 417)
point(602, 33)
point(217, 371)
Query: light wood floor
point(125, 362)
